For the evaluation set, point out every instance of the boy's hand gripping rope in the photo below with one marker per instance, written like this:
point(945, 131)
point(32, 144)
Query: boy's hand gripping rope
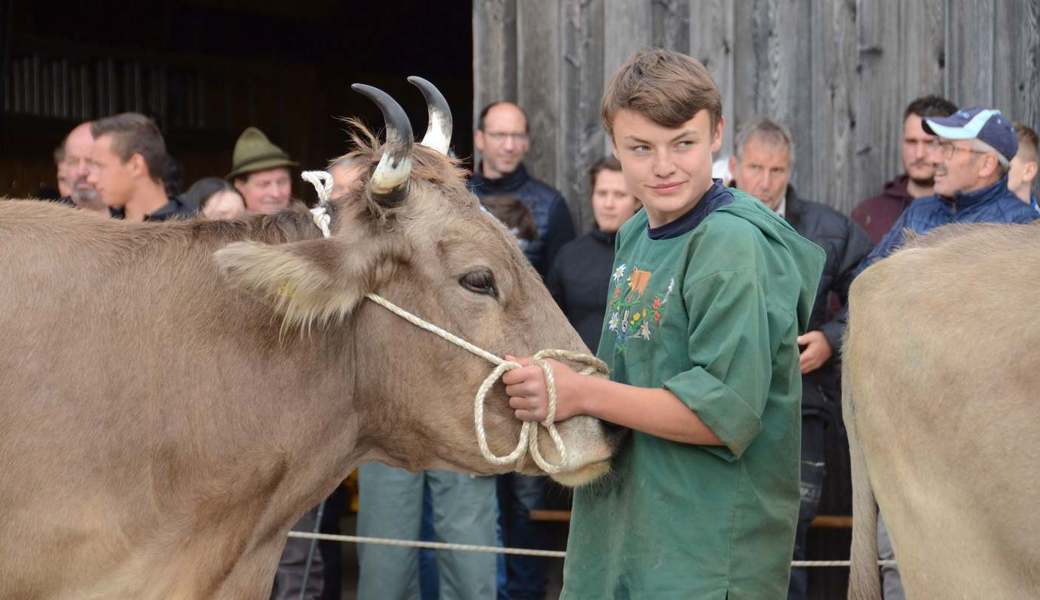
point(528, 441)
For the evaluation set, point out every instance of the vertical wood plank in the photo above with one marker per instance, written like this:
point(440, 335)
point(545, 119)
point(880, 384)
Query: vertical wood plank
point(833, 117)
point(711, 42)
point(970, 43)
point(773, 65)
point(494, 53)
point(538, 84)
point(878, 99)
point(749, 61)
point(1016, 74)
point(670, 24)
point(583, 140)
point(627, 28)
point(924, 54)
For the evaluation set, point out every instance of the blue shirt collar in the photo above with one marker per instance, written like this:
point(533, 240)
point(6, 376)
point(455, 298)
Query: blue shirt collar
point(966, 200)
point(715, 197)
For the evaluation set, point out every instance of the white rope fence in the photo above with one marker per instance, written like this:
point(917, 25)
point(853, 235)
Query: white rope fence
point(357, 539)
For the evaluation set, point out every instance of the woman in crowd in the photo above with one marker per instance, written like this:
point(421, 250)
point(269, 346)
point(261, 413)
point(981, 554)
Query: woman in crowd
point(215, 198)
point(580, 275)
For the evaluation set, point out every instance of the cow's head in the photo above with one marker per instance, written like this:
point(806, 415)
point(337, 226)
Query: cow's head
point(413, 234)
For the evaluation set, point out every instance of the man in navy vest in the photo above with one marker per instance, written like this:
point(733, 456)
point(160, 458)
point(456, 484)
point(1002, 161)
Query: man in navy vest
point(502, 140)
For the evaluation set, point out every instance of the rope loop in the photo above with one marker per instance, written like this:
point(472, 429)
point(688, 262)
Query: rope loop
point(322, 182)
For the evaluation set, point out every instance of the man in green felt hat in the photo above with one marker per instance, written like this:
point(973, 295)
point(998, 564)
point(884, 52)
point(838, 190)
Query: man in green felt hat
point(260, 172)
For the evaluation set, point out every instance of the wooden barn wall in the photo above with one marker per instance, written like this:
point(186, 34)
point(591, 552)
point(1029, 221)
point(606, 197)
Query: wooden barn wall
point(838, 72)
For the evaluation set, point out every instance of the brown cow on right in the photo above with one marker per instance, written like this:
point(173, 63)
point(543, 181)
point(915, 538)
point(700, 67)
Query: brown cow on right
point(942, 406)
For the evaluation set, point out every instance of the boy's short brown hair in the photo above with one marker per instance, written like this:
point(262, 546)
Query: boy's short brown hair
point(666, 87)
point(1027, 140)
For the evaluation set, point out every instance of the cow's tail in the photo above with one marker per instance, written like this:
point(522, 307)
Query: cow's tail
point(864, 582)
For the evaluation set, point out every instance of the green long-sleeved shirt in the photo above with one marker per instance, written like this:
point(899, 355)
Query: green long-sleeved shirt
point(710, 312)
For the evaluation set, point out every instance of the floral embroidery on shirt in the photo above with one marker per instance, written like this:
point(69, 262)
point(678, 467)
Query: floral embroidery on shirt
point(633, 314)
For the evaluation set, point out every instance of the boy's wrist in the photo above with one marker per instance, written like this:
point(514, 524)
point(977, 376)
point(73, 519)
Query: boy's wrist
point(586, 395)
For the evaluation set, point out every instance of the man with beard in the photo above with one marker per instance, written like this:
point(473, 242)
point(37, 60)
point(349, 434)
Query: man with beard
point(877, 214)
point(76, 168)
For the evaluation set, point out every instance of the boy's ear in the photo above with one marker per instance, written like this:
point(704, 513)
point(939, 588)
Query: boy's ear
point(716, 142)
point(732, 165)
point(1029, 171)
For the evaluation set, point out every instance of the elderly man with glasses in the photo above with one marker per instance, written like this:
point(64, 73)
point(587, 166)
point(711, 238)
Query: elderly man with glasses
point(971, 153)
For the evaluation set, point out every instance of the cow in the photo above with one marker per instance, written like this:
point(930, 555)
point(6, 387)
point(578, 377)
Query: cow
point(942, 405)
point(175, 395)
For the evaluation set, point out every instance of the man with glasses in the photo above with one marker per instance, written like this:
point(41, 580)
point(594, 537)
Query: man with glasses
point(502, 140)
point(877, 214)
point(971, 155)
point(973, 151)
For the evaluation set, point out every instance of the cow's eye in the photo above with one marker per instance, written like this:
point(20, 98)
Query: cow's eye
point(481, 281)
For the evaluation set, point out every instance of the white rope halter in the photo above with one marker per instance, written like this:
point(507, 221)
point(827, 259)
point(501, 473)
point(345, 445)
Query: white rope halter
point(528, 442)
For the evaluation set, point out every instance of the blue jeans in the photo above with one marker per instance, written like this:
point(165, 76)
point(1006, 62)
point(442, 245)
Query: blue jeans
point(811, 486)
point(518, 495)
point(891, 581)
point(463, 511)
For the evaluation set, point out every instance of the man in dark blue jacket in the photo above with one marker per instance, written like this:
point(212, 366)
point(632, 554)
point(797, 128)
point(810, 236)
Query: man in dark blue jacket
point(502, 140)
point(972, 154)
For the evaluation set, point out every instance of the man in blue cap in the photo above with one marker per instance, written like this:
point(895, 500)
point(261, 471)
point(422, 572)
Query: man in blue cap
point(974, 149)
point(972, 154)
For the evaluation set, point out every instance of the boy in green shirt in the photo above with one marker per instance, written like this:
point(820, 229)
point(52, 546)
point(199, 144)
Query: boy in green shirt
point(708, 293)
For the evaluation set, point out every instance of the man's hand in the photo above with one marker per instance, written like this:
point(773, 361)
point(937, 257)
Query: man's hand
point(528, 396)
point(816, 352)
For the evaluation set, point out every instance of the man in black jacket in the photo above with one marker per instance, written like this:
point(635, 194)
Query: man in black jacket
point(761, 166)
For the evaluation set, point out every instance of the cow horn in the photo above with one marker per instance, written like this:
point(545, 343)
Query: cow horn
point(438, 131)
point(389, 182)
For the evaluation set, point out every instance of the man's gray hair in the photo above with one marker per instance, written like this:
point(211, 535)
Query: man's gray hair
point(766, 130)
point(981, 146)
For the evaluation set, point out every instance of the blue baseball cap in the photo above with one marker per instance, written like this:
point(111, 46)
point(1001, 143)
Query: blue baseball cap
point(985, 124)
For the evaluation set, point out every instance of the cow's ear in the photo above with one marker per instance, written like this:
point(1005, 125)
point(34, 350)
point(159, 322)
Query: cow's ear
point(311, 282)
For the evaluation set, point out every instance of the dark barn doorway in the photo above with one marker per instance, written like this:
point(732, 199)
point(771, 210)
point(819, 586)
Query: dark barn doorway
point(207, 69)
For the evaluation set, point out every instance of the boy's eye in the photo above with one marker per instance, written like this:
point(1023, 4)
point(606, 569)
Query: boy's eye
point(685, 144)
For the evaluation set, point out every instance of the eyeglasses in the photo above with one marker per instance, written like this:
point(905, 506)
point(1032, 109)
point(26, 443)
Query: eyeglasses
point(948, 150)
point(501, 136)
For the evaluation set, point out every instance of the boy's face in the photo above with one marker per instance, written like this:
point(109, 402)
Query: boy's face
point(1021, 174)
point(667, 169)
